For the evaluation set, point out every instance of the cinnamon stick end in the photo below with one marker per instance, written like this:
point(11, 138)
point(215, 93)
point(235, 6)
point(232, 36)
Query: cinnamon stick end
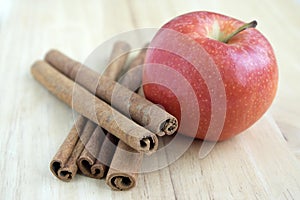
point(170, 126)
point(67, 173)
point(91, 169)
point(121, 181)
point(55, 166)
point(63, 173)
point(51, 54)
point(99, 170)
point(149, 144)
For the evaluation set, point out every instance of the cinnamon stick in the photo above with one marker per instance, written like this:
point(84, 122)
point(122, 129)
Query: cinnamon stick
point(94, 109)
point(126, 178)
point(117, 60)
point(132, 79)
point(63, 165)
point(96, 157)
point(106, 152)
point(87, 159)
point(140, 110)
point(123, 173)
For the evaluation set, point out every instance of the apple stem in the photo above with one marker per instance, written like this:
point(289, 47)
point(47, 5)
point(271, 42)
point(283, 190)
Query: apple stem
point(252, 24)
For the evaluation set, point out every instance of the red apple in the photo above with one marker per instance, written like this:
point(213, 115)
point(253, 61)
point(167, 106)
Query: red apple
point(243, 57)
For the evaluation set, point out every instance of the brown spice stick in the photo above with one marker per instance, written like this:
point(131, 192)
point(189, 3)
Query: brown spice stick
point(126, 178)
point(64, 152)
point(82, 140)
point(117, 60)
point(132, 79)
point(107, 151)
point(140, 110)
point(87, 158)
point(63, 165)
point(94, 109)
point(90, 163)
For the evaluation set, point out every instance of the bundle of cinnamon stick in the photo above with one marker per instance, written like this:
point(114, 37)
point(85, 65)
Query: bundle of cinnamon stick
point(116, 126)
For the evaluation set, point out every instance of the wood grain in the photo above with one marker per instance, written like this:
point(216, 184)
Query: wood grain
point(258, 164)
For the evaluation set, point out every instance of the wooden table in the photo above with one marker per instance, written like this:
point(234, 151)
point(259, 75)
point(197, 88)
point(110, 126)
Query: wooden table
point(261, 163)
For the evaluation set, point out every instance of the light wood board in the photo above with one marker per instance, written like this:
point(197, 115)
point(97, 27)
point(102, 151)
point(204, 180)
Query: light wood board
point(261, 163)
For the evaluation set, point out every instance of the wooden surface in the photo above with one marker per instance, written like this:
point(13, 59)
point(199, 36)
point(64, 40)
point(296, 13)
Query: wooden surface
point(261, 163)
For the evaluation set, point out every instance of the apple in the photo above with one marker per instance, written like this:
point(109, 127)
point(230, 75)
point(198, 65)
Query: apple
point(243, 57)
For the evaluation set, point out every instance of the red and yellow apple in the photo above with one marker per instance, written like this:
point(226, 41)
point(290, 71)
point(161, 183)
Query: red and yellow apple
point(243, 57)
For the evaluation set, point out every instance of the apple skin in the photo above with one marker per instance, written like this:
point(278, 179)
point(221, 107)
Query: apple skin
point(247, 65)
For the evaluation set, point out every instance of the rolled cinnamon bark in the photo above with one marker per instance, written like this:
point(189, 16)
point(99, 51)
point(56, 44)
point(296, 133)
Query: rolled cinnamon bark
point(126, 101)
point(63, 165)
point(126, 178)
point(96, 157)
point(87, 159)
point(107, 151)
point(132, 79)
point(123, 173)
point(94, 109)
point(117, 60)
